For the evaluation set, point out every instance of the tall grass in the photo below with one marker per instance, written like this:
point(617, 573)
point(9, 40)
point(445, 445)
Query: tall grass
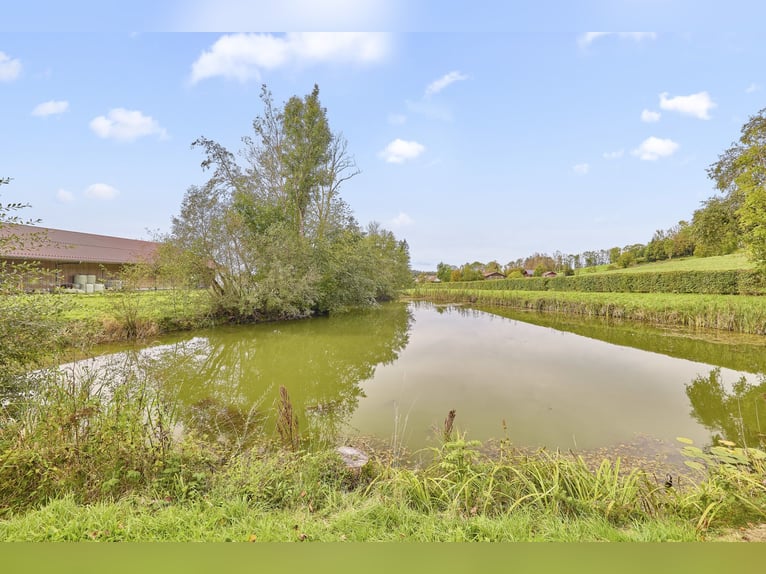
point(121, 315)
point(739, 313)
point(107, 457)
point(94, 434)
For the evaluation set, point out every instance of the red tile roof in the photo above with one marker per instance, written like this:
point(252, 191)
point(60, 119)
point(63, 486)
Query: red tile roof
point(60, 245)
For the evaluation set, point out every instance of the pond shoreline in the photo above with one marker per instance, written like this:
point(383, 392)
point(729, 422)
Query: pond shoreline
point(736, 313)
point(110, 477)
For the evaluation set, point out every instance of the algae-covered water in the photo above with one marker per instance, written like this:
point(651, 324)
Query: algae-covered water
point(394, 372)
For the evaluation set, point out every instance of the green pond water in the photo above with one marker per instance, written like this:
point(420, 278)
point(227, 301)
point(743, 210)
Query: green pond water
point(393, 373)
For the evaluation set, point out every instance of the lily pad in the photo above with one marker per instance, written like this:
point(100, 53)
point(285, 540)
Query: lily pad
point(694, 464)
point(684, 440)
point(692, 451)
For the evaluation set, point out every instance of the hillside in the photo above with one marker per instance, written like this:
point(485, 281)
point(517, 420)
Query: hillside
point(736, 260)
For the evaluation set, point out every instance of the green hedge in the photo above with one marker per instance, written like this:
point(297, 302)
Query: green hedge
point(730, 282)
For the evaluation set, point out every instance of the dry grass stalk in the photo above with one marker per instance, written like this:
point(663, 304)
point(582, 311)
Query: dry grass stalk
point(448, 422)
point(287, 421)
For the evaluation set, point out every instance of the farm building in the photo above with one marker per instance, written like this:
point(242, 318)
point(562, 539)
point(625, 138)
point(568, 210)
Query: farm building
point(66, 258)
point(494, 275)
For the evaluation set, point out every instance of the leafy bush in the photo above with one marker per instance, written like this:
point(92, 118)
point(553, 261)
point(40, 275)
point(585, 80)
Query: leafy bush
point(94, 434)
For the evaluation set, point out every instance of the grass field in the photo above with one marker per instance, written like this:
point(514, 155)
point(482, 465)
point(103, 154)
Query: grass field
point(121, 315)
point(148, 304)
point(735, 261)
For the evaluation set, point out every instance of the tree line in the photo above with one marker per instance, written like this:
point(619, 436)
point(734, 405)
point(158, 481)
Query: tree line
point(732, 219)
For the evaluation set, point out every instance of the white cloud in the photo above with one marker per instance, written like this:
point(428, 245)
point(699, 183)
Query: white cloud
point(650, 116)
point(64, 196)
point(589, 37)
point(581, 168)
point(752, 88)
point(243, 56)
point(397, 119)
point(50, 108)
point(126, 125)
point(438, 85)
point(653, 148)
point(399, 151)
point(697, 105)
point(614, 154)
point(101, 191)
point(402, 220)
point(9, 68)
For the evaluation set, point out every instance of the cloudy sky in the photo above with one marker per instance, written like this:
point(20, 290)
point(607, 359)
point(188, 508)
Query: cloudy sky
point(475, 141)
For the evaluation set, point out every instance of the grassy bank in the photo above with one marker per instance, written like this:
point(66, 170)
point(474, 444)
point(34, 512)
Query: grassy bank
point(353, 518)
point(120, 315)
point(279, 496)
point(98, 461)
point(738, 313)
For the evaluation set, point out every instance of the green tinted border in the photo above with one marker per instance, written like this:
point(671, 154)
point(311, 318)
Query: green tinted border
point(371, 558)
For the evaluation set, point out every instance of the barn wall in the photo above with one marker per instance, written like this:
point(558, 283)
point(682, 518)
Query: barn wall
point(52, 274)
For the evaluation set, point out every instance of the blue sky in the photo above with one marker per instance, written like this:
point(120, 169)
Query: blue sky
point(476, 141)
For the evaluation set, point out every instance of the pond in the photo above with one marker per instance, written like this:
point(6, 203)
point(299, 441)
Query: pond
point(393, 373)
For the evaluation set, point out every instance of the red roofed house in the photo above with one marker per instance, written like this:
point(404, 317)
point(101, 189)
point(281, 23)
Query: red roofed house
point(67, 256)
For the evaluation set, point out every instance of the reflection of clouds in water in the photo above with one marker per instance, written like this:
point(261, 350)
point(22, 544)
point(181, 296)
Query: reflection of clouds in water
point(223, 378)
point(151, 365)
point(195, 348)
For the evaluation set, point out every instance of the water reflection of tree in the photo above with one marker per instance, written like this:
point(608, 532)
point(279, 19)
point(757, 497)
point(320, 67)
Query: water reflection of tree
point(735, 351)
point(738, 416)
point(228, 381)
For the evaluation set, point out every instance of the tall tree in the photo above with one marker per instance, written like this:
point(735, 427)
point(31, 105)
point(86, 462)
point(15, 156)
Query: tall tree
point(715, 227)
point(740, 173)
point(283, 241)
point(305, 154)
point(444, 271)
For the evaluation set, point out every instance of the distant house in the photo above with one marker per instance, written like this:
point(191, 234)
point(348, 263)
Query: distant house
point(423, 278)
point(494, 275)
point(549, 274)
point(65, 256)
point(529, 272)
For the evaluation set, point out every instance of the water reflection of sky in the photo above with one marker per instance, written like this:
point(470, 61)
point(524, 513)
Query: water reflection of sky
point(552, 388)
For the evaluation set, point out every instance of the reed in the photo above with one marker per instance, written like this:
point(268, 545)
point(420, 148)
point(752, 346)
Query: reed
point(738, 313)
point(110, 443)
point(448, 424)
point(287, 421)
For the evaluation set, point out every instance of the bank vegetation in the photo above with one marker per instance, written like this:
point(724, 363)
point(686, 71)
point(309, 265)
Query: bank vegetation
point(110, 457)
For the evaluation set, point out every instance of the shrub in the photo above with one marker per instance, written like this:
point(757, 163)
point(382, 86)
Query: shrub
point(729, 282)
